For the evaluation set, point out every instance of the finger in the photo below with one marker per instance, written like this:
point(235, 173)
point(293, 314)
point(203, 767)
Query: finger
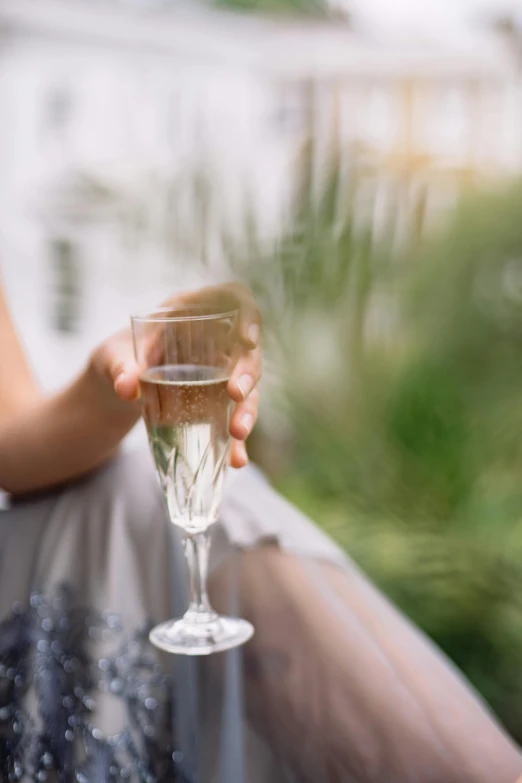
point(250, 322)
point(123, 371)
point(238, 454)
point(153, 348)
point(232, 295)
point(244, 417)
point(126, 386)
point(246, 374)
point(250, 318)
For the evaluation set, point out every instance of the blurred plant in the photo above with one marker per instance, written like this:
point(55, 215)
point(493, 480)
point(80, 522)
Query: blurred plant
point(406, 439)
point(318, 9)
point(415, 468)
point(300, 7)
point(508, 26)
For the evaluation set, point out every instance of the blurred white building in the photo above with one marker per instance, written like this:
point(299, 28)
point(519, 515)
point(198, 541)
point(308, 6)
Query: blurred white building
point(109, 109)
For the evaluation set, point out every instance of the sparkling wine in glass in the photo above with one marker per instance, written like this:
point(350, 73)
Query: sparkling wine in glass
point(186, 357)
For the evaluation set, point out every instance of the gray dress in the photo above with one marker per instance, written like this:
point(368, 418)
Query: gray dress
point(336, 684)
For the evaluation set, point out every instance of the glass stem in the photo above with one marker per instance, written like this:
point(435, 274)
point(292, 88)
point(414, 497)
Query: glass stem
point(197, 551)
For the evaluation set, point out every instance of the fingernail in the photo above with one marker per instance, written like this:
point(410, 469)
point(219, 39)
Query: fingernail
point(248, 422)
point(243, 454)
point(119, 378)
point(245, 385)
point(121, 382)
point(253, 333)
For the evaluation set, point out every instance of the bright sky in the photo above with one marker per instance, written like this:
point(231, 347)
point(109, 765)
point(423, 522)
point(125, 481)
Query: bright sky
point(407, 15)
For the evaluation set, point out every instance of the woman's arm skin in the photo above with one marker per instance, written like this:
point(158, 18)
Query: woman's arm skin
point(18, 388)
point(62, 437)
point(47, 441)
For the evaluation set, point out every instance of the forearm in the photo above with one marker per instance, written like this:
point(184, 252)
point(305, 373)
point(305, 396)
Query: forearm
point(62, 437)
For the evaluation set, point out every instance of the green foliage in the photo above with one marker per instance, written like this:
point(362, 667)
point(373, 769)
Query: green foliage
point(409, 450)
point(293, 7)
point(427, 421)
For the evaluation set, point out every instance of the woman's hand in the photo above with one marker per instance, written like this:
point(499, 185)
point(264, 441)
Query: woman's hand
point(115, 365)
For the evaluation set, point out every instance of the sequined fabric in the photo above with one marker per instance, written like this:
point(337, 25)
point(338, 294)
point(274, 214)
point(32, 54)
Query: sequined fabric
point(57, 658)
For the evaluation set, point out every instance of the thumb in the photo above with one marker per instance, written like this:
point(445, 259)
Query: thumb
point(126, 385)
point(123, 371)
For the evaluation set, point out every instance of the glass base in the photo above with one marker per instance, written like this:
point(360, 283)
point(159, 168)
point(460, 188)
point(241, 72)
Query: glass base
point(185, 637)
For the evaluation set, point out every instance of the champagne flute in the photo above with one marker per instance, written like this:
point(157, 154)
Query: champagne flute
point(186, 356)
